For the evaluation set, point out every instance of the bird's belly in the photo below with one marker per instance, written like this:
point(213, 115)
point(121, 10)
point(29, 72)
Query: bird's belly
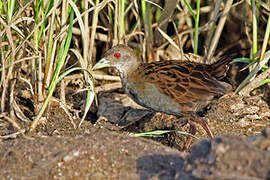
point(150, 97)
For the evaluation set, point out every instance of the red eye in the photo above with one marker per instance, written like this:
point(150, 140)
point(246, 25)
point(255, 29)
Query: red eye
point(117, 55)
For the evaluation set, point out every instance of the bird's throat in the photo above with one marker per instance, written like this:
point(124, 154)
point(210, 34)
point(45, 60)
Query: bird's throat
point(128, 70)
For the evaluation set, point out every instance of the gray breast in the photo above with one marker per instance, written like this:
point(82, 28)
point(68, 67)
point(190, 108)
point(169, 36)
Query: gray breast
point(151, 97)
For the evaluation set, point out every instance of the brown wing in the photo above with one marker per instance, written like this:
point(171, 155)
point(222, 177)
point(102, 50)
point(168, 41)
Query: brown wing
point(183, 81)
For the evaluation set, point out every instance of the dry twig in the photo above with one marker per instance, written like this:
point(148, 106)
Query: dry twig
point(108, 87)
point(255, 83)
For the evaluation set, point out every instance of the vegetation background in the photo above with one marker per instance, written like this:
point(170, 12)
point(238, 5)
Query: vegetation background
point(46, 44)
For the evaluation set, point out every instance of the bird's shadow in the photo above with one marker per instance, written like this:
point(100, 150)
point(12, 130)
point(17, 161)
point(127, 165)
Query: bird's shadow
point(122, 116)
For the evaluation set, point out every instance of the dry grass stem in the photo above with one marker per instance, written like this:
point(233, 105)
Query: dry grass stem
point(13, 135)
point(108, 87)
point(254, 83)
point(218, 31)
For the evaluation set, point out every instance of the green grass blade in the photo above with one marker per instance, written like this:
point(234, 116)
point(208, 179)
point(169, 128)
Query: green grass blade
point(248, 61)
point(196, 31)
point(67, 72)
point(266, 37)
point(254, 29)
point(157, 133)
point(190, 9)
point(122, 19)
point(243, 60)
point(45, 21)
point(11, 5)
point(1, 7)
point(161, 133)
point(89, 100)
point(265, 82)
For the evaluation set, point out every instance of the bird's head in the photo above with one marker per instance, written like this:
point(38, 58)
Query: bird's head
point(120, 56)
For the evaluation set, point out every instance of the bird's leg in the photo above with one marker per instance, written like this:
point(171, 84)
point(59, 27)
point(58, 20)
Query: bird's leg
point(205, 126)
point(201, 121)
point(192, 130)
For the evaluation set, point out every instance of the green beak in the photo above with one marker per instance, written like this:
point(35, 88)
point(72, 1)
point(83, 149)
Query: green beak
point(102, 64)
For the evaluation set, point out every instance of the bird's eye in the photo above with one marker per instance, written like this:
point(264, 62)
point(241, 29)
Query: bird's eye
point(117, 55)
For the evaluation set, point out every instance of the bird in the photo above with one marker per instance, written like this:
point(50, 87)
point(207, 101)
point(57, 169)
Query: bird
point(176, 87)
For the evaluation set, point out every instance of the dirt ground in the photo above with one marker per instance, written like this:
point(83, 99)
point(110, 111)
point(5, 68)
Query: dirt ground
point(105, 146)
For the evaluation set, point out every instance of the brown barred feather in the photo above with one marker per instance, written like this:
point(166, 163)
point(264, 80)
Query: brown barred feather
point(181, 80)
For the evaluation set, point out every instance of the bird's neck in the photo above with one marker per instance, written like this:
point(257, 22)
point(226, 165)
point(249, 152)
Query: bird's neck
point(126, 71)
point(126, 74)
